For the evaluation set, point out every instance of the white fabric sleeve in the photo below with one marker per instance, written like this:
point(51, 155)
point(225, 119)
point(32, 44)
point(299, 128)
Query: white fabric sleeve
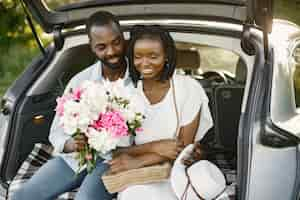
point(195, 101)
point(57, 137)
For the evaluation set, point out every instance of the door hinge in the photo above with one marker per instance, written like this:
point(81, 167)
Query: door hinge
point(246, 45)
point(58, 38)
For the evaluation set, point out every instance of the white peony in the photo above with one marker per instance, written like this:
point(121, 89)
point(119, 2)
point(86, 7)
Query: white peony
point(76, 116)
point(135, 106)
point(125, 141)
point(128, 114)
point(102, 141)
point(117, 88)
point(95, 98)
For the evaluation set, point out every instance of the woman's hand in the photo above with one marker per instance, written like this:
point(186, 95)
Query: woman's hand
point(124, 162)
point(194, 156)
point(168, 148)
point(75, 144)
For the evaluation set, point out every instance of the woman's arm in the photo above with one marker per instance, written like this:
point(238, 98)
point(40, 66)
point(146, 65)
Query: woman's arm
point(124, 162)
point(187, 133)
point(153, 152)
point(167, 148)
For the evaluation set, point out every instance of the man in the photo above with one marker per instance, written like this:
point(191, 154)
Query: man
point(59, 174)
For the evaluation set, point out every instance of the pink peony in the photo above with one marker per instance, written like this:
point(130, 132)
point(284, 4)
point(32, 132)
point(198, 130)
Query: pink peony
point(140, 129)
point(97, 124)
point(88, 156)
point(115, 123)
point(60, 104)
point(76, 94)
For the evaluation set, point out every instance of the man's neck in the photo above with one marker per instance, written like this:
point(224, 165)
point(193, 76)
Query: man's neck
point(113, 74)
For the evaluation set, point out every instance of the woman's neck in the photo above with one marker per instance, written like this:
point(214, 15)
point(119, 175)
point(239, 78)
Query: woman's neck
point(151, 85)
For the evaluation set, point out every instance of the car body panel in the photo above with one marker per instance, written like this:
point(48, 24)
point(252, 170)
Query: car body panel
point(284, 113)
point(275, 168)
point(265, 172)
point(276, 173)
point(259, 12)
point(13, 99)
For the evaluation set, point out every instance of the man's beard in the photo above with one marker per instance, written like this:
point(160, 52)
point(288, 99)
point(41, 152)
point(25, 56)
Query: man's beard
point(113, 66)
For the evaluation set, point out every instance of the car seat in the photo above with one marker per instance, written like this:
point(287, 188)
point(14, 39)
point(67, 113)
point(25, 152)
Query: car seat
point(228, 101)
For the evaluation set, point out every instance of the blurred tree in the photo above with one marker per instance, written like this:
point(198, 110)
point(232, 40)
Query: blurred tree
point(12, 23)
point(287, 9)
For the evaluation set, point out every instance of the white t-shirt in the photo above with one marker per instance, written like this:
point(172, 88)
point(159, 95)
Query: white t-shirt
point(161, 120)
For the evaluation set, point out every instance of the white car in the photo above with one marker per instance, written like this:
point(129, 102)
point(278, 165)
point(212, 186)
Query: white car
point(248, 73)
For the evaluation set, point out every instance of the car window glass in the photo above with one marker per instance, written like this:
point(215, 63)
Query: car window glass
point(287, 10)
point(210, 59)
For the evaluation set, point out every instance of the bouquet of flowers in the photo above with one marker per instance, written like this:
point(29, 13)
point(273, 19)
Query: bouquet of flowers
point(106, 114)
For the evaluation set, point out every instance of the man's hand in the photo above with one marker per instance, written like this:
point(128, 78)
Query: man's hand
point(75, 144)
point(124, 162)
point(168, 148)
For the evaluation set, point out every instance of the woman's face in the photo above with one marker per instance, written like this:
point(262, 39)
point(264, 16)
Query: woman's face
point(149, 58)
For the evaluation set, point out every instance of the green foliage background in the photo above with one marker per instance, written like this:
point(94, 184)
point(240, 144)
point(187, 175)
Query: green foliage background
point(18, 47)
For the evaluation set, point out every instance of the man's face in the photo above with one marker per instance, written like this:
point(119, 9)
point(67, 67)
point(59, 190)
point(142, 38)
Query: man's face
point(108, 44)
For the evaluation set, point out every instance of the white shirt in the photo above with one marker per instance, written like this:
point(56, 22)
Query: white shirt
point(57, 137)
point(160, 122)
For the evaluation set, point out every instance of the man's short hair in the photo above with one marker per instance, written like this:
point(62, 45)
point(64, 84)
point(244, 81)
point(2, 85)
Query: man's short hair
point(102, 18)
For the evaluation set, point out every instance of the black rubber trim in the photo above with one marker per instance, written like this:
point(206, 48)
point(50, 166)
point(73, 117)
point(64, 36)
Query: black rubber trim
point(16, 93)
point(248, 118)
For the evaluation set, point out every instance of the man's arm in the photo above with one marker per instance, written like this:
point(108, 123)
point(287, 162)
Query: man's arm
point(57, 137)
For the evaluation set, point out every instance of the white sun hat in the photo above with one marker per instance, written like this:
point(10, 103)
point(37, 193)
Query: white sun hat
point(205, 178)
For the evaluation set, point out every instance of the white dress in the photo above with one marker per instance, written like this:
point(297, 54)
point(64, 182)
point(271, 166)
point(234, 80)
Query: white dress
point(160, 124)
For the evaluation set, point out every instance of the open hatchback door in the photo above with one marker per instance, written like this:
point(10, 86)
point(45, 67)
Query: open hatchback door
point(59, 19)
point(256, 12)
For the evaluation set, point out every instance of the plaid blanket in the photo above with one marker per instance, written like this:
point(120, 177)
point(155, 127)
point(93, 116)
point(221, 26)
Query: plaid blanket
point(41, 153)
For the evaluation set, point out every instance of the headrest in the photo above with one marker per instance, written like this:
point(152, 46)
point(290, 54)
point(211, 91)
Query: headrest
point(187, 59)
point(241, 71)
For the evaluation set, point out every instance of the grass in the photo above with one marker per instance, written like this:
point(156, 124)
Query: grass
point(12, 62)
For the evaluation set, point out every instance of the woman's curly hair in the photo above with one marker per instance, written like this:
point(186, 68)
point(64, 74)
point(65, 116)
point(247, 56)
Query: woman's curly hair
point(155, 32)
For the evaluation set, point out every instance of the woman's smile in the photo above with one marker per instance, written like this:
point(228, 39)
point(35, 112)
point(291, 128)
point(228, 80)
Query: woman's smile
point(149, 57)
point(147, 71)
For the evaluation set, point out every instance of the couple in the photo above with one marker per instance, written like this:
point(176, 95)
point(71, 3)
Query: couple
point(149, 69)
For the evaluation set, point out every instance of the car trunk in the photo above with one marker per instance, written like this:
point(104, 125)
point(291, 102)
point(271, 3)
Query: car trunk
point(24, 109)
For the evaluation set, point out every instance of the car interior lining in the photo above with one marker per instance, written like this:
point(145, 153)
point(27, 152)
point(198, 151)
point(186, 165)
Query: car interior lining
point(225, 98)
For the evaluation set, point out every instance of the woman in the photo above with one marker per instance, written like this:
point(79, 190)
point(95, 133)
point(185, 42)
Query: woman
point(152, 61)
